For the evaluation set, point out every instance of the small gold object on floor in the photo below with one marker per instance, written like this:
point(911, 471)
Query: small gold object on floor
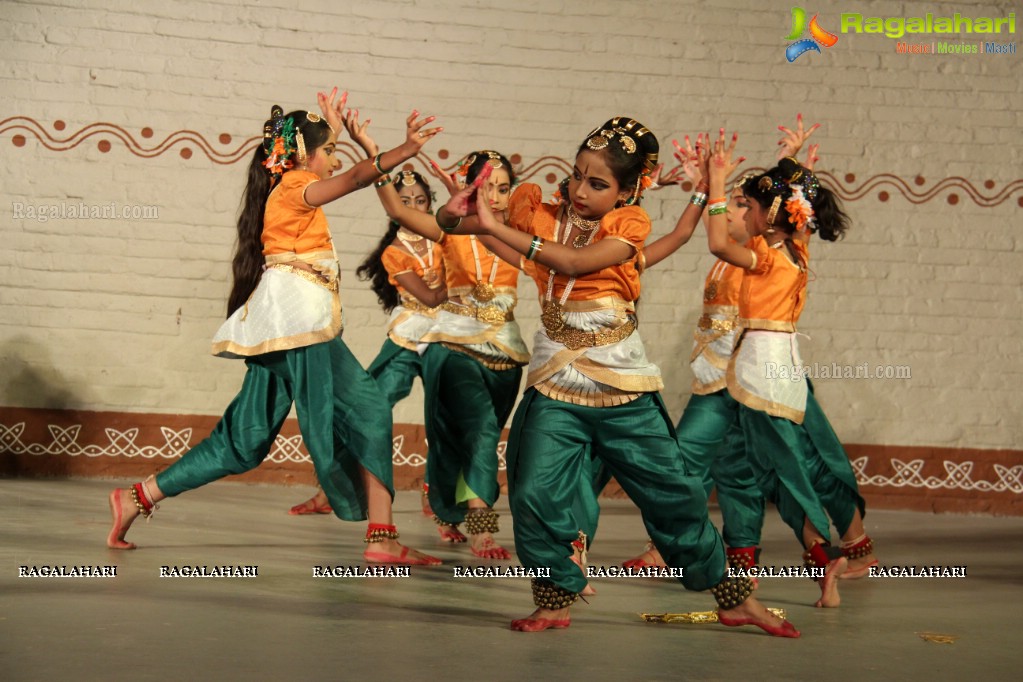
point(697, 617)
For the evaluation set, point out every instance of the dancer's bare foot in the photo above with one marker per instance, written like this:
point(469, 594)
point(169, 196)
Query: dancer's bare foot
point(829, 583)
point(543, 619)
point(484, 546)
point(650, 557)
point(450, 533)
point(122, 512)
point(859, 568)
point(317, 504)
point(752, 612)
point(393, 552)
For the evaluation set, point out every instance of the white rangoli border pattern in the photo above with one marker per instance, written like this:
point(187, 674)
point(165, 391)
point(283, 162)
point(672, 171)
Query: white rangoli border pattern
point(64, 441)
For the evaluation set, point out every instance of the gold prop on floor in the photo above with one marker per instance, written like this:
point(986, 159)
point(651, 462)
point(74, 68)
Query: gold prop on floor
point(697, 617)
point(938, 638)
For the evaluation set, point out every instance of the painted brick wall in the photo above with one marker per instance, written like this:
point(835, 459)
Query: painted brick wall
point(117, 314)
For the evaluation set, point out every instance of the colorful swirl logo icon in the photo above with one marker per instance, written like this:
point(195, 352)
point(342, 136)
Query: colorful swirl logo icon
point(818, 36)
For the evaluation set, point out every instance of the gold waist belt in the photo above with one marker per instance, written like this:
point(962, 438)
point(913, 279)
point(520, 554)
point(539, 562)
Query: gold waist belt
point(414, 305)
point(574, 339)
point(306, 275)
point(708, 323)
point(490, 314)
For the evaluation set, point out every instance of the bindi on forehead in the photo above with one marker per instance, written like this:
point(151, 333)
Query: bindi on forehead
point(592, 165)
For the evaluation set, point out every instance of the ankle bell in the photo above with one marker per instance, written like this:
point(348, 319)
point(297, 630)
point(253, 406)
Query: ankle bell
point(547, 595)
point(820, 555)
point(858, 548)
point(142, 500)
point(378, 532)
point(732, 592)
point(481, 521)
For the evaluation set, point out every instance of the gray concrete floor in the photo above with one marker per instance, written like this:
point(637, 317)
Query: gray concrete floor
point(287, 625)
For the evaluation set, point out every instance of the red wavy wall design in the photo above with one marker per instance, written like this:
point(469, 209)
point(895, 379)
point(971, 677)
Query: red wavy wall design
point(226, 151)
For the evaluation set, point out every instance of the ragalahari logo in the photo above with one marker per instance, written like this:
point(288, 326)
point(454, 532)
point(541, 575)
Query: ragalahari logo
point(818, 36)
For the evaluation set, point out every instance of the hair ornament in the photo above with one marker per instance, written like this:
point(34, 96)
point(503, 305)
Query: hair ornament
point(316, 118)
point(604, 137)
point(773, 212)
point(494, 158)
point(406, 177)
point(300, 147)
point(800, 210)
point(743, 179)
point(279, 143)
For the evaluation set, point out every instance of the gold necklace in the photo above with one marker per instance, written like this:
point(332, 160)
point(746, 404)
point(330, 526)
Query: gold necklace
point(409, 235)
point(585, 227)
point(483, 292)
point(552, 312)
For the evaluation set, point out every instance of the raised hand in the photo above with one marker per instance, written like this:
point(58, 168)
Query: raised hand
point(811, 156)
point(357, 131)
point(333, 111)
point(693, 160)
point(721, 164)
point(464, 202)
point(793, 140)
point(660, 179)
point(416, 132)
point(450, 180)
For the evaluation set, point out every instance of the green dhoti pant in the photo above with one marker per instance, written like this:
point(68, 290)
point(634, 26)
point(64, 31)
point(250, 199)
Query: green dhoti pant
point(548, 457)
point(829, 448)
point(395, 369)
point(714, 450)
point(344, 419)
point(467, 406)
point(800, 479)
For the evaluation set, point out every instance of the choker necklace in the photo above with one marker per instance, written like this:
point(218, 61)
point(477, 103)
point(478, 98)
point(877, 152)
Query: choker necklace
point(409, 235)
point(584, 226)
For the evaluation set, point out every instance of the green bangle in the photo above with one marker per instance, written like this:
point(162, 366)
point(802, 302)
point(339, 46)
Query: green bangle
point(534, 248)
point(377, 166)
point(718, 211)
point(448, 228)
point(386, 180)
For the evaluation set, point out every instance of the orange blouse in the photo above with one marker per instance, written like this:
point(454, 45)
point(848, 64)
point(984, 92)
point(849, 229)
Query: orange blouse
point(290, 225)
point(460, 266)
point(397, 261)
point(630, 224)
point(722, 286)
point(773, 291)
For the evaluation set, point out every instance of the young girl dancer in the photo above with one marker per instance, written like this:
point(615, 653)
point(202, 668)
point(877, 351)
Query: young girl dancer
point(709, 434)
point(591, 388)
point(294, 351)
point(785, 201)
point(473, 364)
point(406, 272)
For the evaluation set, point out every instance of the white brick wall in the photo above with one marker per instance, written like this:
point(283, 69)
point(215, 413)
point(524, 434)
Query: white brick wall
point(117, 315)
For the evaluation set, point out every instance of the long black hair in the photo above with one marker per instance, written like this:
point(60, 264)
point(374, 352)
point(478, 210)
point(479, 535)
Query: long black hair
point(247, 262)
